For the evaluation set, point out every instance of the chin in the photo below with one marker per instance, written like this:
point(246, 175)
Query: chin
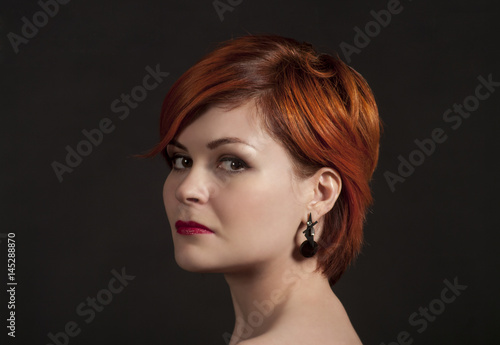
point(198, 263)
point(193, 263)
point(190, 266)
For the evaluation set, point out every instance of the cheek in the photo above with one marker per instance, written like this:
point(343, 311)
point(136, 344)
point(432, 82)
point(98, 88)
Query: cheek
point(266, 209)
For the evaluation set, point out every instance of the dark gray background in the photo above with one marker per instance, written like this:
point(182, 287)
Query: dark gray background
point(439, 224)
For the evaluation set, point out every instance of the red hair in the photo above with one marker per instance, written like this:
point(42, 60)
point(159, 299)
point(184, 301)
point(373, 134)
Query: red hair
point(320, 109)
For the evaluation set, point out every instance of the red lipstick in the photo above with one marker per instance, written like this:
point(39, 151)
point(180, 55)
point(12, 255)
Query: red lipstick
point(191, 228)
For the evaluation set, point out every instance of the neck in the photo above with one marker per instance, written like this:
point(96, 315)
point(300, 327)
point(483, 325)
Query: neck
point(261, 296)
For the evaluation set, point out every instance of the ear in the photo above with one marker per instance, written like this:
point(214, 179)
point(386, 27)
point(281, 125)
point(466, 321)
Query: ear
point(326, 184)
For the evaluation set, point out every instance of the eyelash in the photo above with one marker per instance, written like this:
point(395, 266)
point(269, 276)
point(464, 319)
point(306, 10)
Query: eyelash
point(241, 164)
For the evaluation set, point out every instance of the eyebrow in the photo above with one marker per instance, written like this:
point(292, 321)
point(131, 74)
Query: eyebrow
point(177, 144)
point(214, 143)
point(227, 140)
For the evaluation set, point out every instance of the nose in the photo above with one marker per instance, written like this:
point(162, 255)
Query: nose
point(195, 188)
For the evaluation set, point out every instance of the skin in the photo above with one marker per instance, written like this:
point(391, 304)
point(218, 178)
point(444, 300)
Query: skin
point(244, 189)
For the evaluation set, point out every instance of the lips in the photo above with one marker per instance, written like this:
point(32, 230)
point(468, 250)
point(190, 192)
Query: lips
point(191, 228)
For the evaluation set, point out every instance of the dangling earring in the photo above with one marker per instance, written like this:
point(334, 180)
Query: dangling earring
point(309, 247)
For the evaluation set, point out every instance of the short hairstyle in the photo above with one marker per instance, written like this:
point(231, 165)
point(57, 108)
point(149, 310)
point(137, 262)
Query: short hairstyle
point(321, 110)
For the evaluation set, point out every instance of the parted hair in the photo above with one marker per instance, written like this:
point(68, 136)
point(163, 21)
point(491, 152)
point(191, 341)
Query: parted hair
point(320, 109)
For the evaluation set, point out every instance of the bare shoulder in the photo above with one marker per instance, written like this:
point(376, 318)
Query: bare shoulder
point(292, 338)
point(314, 321)
point(254, 341)
point(323, 323)
point(268, 341)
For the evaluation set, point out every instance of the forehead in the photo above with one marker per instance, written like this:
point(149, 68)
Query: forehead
point(217, 122)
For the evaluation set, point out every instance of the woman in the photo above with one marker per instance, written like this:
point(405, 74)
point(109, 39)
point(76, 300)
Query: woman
point(271, 147)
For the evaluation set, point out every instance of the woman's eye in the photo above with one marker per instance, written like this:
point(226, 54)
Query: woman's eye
point(181, 162)
point(232, 164)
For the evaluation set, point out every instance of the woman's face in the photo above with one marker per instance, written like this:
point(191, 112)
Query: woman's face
point(231, 177)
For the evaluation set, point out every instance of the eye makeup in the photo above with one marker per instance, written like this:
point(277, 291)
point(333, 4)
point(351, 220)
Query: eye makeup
point(229, 164)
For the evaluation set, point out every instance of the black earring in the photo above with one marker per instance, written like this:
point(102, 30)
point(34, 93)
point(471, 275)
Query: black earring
point(309, 247)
